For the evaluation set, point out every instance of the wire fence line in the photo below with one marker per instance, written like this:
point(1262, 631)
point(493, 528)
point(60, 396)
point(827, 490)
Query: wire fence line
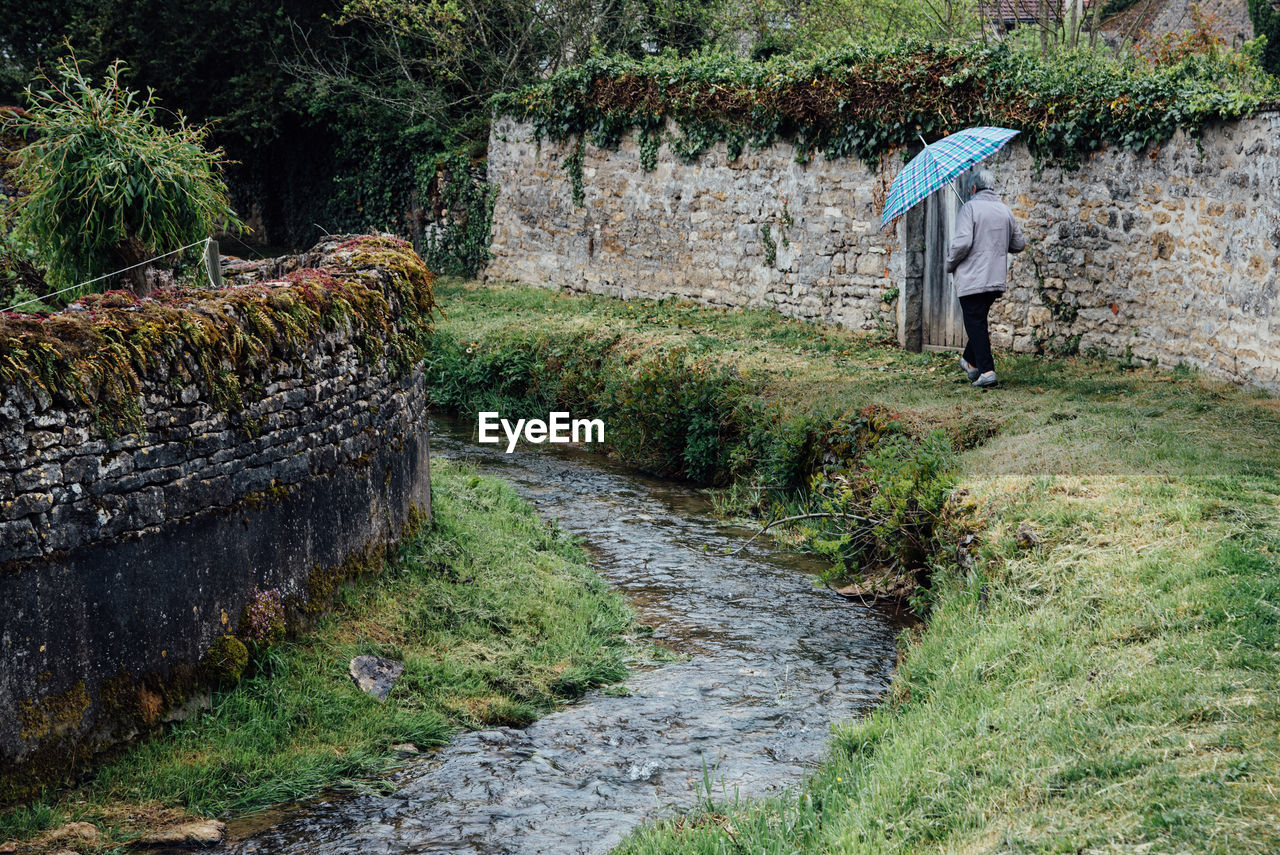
point(203, 242)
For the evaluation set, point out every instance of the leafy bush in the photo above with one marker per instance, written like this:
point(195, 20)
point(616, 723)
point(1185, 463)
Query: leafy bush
point(20, 279)
point(905, 487)
point(1203, 37)
point(673, 414)
point(866, 100)
point(107, 186)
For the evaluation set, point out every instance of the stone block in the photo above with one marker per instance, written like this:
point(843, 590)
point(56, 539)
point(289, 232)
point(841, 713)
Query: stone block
point(26, 504)
point(41, 477)
point(115, 465)
point(18, 540)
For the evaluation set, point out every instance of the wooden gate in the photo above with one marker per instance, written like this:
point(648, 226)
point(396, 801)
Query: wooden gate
point(941, 321)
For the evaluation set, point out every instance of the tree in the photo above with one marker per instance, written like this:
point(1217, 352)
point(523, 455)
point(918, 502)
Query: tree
point(805, 25)
point(1266, 22)
point(107, 186)
point(219, 62)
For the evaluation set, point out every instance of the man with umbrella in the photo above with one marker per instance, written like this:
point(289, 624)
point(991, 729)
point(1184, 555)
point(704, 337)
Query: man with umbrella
point(985, 233)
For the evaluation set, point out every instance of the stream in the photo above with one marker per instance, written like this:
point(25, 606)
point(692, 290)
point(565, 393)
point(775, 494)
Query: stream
point(768, 660)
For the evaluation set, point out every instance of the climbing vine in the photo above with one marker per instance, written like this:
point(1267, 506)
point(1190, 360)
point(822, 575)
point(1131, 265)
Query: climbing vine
point(769, 245)
point(457, 244)
point(864, 101)
point(573, 165)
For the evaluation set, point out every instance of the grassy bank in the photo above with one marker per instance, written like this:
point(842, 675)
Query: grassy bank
point(1100, 668)
point(496, 615)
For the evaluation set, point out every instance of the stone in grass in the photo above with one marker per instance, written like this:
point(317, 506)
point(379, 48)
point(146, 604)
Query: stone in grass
point(86, 832)
point(406, 749)
point(375, 675)
point(203, 833)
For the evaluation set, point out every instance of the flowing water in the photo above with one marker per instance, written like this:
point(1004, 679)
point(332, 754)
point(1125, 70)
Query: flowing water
point(767, 662)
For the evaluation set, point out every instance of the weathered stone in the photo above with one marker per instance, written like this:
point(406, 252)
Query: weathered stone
point(375, 675)
point(45, 421)
point(74, 832)
point(25, 505)
point(115, 465)
point(168, 454)
point(122, 555)
point(41, 477)
point(18, 539)
point(204, 833)
point(43, 439)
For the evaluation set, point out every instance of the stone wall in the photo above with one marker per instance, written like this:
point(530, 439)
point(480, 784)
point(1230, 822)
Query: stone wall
point(122, 558)
point(762, 230)
point(1170, 255)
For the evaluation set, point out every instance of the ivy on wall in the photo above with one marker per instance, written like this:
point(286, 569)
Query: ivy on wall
point(457, 242)
point(862, 101)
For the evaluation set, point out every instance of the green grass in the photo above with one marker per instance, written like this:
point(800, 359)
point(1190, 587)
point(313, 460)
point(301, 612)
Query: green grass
point(496, 614)
point(1111, 684)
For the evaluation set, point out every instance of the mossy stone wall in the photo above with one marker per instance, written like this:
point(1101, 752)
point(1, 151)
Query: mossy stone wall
point(124, 557)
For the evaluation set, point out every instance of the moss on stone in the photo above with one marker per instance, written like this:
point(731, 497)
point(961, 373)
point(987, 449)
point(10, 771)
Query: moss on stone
point(376, 287)
point(224, 662)
point(118, 698)
point(54, 714)
point(323, 583)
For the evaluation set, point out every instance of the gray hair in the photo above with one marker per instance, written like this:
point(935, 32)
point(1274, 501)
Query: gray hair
point(984, 180)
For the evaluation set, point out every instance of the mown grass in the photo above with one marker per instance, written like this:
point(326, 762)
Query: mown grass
point(1099, 671)
point(497, 616)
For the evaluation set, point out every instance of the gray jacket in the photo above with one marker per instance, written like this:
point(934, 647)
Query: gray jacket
point(985, 233)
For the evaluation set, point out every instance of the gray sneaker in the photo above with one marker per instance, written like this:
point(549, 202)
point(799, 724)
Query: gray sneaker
point(986, 381)
point(968, 369)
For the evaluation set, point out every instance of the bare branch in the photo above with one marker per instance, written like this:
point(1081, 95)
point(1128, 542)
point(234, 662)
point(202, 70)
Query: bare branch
point(802, 517)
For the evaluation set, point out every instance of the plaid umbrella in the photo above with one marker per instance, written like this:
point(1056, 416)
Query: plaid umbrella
point(940, 163)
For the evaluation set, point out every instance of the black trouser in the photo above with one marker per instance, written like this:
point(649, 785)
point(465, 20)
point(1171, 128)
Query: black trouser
point(977, 352)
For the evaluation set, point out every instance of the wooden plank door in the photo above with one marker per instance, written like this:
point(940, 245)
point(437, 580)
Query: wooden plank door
point(941, 321)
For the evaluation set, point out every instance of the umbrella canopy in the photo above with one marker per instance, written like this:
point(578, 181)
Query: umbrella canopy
point(940, 163)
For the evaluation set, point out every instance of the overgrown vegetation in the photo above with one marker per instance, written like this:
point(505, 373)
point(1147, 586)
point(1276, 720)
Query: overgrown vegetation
point(866, 100)
point(20, 278)
point(98, 158)
point(98, 357)
point(335, 111)
point(879, 482)
point(497, 616)
point(1266, 23)
point(457, 244)
point(1099, 669)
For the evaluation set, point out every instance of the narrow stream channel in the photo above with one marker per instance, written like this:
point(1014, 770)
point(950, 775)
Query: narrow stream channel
point(769, 661)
